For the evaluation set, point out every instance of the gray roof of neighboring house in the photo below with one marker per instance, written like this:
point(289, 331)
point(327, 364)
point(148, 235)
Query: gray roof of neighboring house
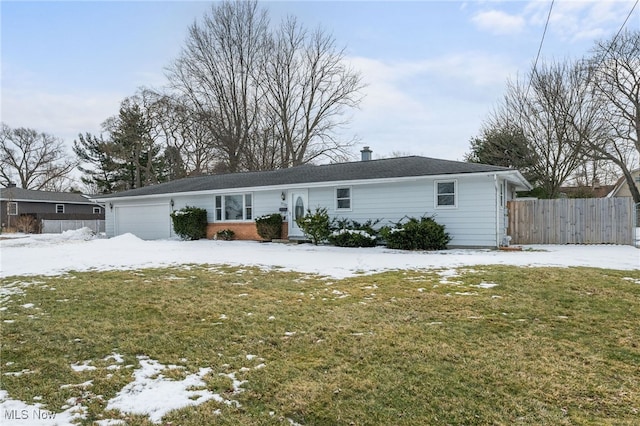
point(358, 170)
point(19, 194)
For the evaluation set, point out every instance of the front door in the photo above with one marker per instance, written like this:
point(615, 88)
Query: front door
point(297, 210)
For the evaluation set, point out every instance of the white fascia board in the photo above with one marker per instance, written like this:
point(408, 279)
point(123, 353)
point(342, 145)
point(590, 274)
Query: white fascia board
point(28, 200)
point(515, 176)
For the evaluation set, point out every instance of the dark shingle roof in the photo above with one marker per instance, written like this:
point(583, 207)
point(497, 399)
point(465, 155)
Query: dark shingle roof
point(359, 170)
point(19, 194)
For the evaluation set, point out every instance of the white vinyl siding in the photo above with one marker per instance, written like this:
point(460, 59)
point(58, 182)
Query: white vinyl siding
point(472, 223)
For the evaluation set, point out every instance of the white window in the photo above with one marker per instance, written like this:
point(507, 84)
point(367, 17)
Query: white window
point(248, 208)
point(446, 194)
point(59, 208)
point(234, 207)
point(218, 208)
point(12, 208)
point(343, 198)
point(96, 210)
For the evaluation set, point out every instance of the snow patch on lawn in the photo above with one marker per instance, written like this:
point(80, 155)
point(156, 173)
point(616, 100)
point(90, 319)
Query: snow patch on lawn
point(18, 413)
point(154, 395)
point(85, 366)
point(485, 285)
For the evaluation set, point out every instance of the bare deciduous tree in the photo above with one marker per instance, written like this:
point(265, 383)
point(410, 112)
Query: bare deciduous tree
point(541, 107)
point(216, 74)
point(613, 75)
point(33, 160)
point(267, 99)
point(178, 128)
point(308, 87)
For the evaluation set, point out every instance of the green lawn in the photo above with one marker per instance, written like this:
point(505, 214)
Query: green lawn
point(545, 346)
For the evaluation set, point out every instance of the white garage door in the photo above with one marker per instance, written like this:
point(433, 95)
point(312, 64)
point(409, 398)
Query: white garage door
point(149, 221)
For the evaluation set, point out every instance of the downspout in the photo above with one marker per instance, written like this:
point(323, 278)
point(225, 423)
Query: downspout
point(496, 187)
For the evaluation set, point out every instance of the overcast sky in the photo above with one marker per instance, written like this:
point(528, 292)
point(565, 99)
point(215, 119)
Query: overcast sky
point(434, 69)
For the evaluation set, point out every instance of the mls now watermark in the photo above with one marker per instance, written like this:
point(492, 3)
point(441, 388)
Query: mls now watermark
point(31, 414)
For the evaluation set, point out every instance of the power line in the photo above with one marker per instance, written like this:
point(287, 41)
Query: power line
point(613, 41)
point(544, 33)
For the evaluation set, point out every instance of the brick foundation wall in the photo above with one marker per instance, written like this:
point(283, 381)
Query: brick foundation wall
point(243, 230)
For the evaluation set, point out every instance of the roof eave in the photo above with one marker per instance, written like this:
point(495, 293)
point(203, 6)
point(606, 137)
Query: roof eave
point(518, 179)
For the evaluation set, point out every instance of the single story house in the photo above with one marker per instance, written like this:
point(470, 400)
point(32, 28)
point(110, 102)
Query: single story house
point(621, 188)
point(45, 205)
point(469, 199)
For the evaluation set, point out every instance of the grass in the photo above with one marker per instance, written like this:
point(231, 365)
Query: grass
point(544, 346)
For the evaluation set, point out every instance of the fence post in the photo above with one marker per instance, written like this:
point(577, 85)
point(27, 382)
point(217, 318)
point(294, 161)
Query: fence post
point(636, 226)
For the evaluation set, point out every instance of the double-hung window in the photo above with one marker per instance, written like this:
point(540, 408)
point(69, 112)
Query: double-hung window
point(343, 198)
point(446, 194)
point(12, 208)
point(234, 207)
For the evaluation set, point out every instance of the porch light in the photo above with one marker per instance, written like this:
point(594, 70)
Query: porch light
point(171, 202)
point(110, 206)
point(283, 196)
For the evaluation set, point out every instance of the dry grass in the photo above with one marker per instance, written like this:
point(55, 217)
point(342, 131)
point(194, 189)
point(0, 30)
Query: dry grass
point(544, 346)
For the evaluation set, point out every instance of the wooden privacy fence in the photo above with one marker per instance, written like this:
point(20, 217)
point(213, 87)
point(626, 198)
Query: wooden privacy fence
point(572, 221)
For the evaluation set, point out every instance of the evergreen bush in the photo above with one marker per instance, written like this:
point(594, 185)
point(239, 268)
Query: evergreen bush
point(269, 226)
point(416, 234)
point(350, 233)
point(190, 223)
point(225, 234)
point(316, 226)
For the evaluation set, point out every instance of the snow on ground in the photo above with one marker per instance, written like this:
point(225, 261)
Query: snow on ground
point(18, 413)
point(52, 254)
point(152, 394)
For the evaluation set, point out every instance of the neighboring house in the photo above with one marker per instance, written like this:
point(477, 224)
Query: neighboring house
point(596, 190)
point(469, 199)
point(17, 203)
point(621, 189)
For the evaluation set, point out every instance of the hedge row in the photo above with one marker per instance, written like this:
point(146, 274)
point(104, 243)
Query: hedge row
point(408, 234)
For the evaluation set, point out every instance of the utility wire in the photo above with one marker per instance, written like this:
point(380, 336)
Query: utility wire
point(544, 33)
point(621, 27)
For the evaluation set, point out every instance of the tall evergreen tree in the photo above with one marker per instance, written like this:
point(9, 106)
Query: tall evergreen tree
point(128, 159)
point(103, 173)
point(139, 157)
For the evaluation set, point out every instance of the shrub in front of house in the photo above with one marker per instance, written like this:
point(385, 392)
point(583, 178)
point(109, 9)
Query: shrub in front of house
point(316, 226)
point(225, 234)
point(350, 233)
point(269, 226)
point(190, 223)
point(27, 224)
point(416, 234)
